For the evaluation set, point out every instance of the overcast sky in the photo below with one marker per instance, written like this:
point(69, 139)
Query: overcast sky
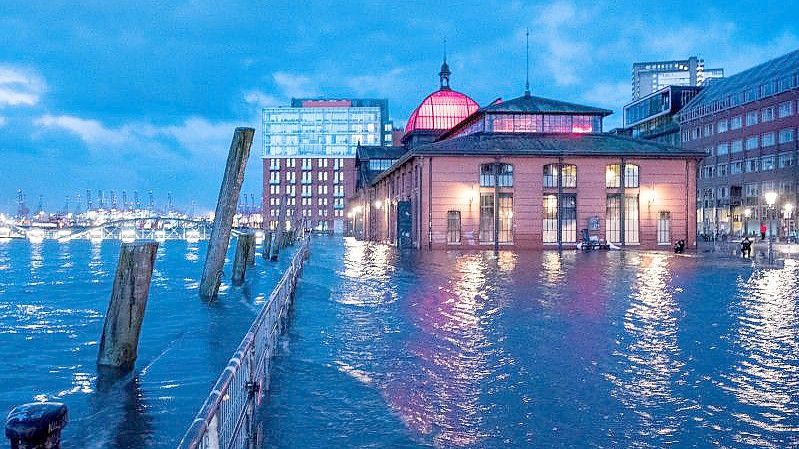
point(144, 95)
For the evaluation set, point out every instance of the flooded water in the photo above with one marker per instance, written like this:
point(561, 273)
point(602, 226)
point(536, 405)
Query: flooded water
point(536, 349)
point(53, 298)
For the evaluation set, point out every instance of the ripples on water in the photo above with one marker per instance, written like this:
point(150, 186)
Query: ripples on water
point(53, 298)
point(537, 349)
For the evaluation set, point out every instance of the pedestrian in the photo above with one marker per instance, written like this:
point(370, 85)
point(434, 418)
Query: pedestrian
point(763, 229)
point(746, 247)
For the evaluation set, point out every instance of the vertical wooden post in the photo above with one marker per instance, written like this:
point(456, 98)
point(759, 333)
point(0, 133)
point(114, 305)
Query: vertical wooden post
point(267, 244)
point(225, 210)
point(120, 341)
point(280, 229)
point(244, 245)
point(251, 250)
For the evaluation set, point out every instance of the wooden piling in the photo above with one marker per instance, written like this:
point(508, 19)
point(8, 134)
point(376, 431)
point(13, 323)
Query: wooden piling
point(245, 244)
point(251, 250)
point(225, 210)
point(280, 230)
point(267, 244)
point(120, 340)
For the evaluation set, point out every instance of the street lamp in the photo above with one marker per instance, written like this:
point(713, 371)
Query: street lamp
point(771, 199)
point(747, 214)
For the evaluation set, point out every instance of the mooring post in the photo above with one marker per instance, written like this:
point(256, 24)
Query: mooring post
point(251, 249)
point(225, 210)
point(244, 245)
point(120, 341)
point(267, 244)
point(36, 425)
point(280, 229)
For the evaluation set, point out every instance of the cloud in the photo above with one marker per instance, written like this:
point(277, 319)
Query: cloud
point(381, 84)
point(566, 51)
point(260, 99)
point(610, 95)
point(90, 131)
point(19, 86)
point(293, 85)
point(3, 121)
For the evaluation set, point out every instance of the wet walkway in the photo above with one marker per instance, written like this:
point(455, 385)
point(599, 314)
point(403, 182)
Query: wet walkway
point(536, 349)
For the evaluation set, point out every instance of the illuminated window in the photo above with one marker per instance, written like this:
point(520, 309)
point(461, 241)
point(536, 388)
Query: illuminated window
point(503, 173)
point(454, 226)
point(664, 228)
point(613, 176)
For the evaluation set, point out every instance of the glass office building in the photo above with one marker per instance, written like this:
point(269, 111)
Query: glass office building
point(309, 158)
point(650, 77)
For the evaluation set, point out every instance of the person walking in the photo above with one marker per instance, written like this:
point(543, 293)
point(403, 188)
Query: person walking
point(763, 230)
point(746, 247)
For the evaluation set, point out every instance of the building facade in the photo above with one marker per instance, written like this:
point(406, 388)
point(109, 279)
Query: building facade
point(746, 125)
point(650, 77)
point(532, 173)
point(654, 117)
point(309, 158)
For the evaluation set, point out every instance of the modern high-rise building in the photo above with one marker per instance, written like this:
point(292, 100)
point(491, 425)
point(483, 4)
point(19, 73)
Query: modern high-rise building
point(654, 117)
point(747, 125)
point(309, 157)
point(650, 77)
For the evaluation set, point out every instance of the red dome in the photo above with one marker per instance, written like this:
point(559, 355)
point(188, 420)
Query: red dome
point(441, 110)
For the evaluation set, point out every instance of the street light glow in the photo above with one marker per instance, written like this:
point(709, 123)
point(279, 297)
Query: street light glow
point(771, 198)
point(747, 212)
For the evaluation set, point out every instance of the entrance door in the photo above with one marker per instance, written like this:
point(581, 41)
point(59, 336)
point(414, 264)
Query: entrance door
point(404, 225)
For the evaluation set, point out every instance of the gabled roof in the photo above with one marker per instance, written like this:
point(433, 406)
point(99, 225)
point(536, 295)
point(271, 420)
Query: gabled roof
point(530, 103)
point(538, 144)
point(379, 152)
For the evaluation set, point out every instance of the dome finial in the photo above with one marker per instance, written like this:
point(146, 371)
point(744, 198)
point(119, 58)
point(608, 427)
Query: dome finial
point(444, 74)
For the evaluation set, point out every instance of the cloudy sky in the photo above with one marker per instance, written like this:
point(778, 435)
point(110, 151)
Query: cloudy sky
point(144, 95)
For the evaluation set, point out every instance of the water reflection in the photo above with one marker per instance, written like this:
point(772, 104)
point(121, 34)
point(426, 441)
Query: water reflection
point(650, 355)
point(765, 379)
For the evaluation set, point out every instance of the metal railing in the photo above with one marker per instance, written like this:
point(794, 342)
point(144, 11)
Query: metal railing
point(227, 418)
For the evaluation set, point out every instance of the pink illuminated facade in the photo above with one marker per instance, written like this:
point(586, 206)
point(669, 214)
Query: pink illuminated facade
point(529, 173)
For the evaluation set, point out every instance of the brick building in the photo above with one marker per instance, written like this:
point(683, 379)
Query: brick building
point(309, 157)
point(746, 125)
point(531, 173)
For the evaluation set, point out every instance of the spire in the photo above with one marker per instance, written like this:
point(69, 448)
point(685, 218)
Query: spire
point(527, 77)
point(444, 74)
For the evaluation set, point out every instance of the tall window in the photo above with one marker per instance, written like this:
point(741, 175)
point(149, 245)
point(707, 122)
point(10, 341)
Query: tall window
point(566, 212)
point(664, 228)
point(631, 219)
point(505, 217)
point(613, 218)
point(486, 217)
point(503, 172)
point(454, 226)
point(568, 219)
point(550, 219)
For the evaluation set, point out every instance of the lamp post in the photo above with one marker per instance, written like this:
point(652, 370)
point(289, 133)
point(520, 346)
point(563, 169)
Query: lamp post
point(788, 207)
point(771, 199)
point(747, 214)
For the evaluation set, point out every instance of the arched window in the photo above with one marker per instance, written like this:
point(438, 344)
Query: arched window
point(568, 178)
point(502, 173)
point(613, 176)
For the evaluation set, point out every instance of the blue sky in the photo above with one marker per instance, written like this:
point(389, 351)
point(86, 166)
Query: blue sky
point(144, 95)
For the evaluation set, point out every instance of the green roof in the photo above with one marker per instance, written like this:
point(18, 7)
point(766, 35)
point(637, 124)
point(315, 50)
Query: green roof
point(529, 103)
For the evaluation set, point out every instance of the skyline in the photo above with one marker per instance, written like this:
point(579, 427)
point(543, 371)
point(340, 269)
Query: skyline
point(146, 98)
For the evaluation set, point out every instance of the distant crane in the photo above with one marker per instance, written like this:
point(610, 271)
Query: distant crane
point(100, 200)
point(124, 200)
point(88, 199)
point(152, 201)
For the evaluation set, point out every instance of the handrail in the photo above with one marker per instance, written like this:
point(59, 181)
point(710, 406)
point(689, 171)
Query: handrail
point(226, 418)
